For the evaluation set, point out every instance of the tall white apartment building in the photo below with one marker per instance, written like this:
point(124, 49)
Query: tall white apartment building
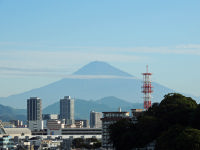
point(67, 110)
point(95, 119)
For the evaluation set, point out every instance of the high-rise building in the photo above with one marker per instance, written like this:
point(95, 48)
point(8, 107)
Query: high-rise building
point(34, 113)
point(67, 110)
point(34, 109)
point(95, 119)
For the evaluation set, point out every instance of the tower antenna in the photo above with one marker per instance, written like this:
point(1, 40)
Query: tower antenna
point(147, 89)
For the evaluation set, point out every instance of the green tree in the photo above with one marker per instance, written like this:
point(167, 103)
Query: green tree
point(179, 138)
point(153, 110)
point(167, 140)
point(89, 143)
point(126, 135)
point(189, 138)
point(78, 143)
point(175, 109)
point(147, 130)
point(163, 122)
point(195, 118)
point(121, 135)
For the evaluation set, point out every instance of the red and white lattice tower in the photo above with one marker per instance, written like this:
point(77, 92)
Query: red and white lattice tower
point(147, 89)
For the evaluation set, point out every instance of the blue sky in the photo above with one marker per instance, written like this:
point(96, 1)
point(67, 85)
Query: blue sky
point(44, 41)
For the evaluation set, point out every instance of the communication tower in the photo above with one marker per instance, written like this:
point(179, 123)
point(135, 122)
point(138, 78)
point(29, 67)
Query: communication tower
point(147, 89)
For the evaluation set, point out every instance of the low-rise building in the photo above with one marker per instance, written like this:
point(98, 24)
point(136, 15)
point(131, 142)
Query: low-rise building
point(136, 113)
point(108, 119)
point(82, 132)
point(79, 124)
point(21, 132)
point(17, 123)
point(46, 117)
point(54, 127)
point(85, 123)
point(36, 125)
point(8, 125)
point(6, 142)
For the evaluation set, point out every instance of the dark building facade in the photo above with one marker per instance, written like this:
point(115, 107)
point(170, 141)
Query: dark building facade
point(34, 109)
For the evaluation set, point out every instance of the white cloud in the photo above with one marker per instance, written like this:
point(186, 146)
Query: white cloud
point(189, 46)
point(60, 63)
point(97, 77)
point(50, 48)
point(190, 49)
point(66, 60)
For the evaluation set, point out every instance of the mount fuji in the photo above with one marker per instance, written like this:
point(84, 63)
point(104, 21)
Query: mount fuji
point(91, 82)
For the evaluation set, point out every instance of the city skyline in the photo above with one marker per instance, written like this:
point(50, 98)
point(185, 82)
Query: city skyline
point(45, 41)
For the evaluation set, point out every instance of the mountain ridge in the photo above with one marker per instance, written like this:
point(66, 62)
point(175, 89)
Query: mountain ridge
point(128, 89)
point(83, 107)
point(8, 113)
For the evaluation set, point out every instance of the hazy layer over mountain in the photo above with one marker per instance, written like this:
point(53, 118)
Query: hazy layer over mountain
point(113, 83)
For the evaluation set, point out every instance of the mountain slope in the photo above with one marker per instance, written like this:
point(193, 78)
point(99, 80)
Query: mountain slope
point(101, 68)
point(82, 108)
point(127, 89)
point(9, 113)
point(114, 102)
point(84, 87)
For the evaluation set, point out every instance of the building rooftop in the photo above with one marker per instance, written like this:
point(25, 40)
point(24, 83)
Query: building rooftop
point(17, 131)
point(115, 112)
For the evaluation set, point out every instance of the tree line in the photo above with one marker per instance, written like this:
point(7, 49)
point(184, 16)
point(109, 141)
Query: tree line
point(173, 124)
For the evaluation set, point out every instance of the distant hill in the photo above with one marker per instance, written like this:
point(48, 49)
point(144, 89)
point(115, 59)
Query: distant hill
point(83, 107)
point(91, 82)
point(8, 113)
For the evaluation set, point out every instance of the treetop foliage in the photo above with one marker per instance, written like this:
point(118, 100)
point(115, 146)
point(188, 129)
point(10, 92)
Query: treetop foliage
point(169, 123)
